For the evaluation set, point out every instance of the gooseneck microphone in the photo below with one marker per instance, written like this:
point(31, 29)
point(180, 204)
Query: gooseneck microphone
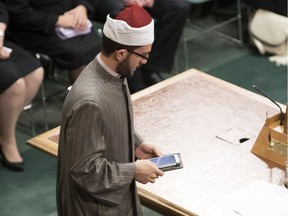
point(282, 115)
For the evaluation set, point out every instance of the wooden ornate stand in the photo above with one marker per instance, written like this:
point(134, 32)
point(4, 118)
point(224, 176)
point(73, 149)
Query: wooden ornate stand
point(271, 144)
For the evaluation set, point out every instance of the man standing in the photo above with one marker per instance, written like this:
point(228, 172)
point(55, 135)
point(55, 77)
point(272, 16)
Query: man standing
point(98, 145)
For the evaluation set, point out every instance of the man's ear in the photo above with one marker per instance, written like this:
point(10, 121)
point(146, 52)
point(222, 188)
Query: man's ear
point(121, 54)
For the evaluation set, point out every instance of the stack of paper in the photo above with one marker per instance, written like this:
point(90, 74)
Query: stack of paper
point(260, 198)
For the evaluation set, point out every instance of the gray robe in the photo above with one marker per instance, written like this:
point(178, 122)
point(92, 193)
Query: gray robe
point(97, 148)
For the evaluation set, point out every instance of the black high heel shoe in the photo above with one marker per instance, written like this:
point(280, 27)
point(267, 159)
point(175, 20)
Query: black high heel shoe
point(15, 166)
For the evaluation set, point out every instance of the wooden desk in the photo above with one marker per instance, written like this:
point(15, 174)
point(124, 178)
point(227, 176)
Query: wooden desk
point(203, 118)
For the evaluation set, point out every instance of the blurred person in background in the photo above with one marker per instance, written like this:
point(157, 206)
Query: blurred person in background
point(35, 25)
point(20, 78)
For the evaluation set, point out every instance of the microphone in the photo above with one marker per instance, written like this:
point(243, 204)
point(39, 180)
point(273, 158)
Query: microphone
point(282, 115)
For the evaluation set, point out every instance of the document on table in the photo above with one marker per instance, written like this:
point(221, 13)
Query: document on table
point(260, 198)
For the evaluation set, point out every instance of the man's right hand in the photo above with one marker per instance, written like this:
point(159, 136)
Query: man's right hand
point(146, 171)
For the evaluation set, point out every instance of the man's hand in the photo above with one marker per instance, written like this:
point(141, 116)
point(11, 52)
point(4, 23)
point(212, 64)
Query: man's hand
point(145, 151)
point(146, 171)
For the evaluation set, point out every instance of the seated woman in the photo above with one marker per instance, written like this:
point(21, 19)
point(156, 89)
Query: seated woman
point(33, 24)
point(20, 78)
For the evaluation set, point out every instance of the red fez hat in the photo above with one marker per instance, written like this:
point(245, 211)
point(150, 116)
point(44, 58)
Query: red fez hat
point(132, 26)
point(134, 16)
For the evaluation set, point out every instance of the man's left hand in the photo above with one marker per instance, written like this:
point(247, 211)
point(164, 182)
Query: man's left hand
point(145, 151)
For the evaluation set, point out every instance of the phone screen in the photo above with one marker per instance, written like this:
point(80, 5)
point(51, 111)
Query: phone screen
point(166, 160)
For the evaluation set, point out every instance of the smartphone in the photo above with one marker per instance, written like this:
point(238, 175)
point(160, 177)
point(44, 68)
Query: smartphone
point(165, 161)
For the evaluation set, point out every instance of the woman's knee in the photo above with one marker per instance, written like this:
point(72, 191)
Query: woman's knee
point(35, 77)
point(18, 88)
point(38, 75)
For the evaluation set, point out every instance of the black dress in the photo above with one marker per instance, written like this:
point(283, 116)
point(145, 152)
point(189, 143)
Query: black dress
point(32, 25)
point(20, 62)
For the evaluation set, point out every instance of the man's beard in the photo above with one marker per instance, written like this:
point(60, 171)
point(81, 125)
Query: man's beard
point(124, 69)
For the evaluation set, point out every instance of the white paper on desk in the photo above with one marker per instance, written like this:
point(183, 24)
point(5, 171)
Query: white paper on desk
point(234, 135)
point(260, 198)
point(65, 33)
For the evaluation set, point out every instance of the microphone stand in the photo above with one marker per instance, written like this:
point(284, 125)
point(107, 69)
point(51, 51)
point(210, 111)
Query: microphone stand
point(282, 114)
